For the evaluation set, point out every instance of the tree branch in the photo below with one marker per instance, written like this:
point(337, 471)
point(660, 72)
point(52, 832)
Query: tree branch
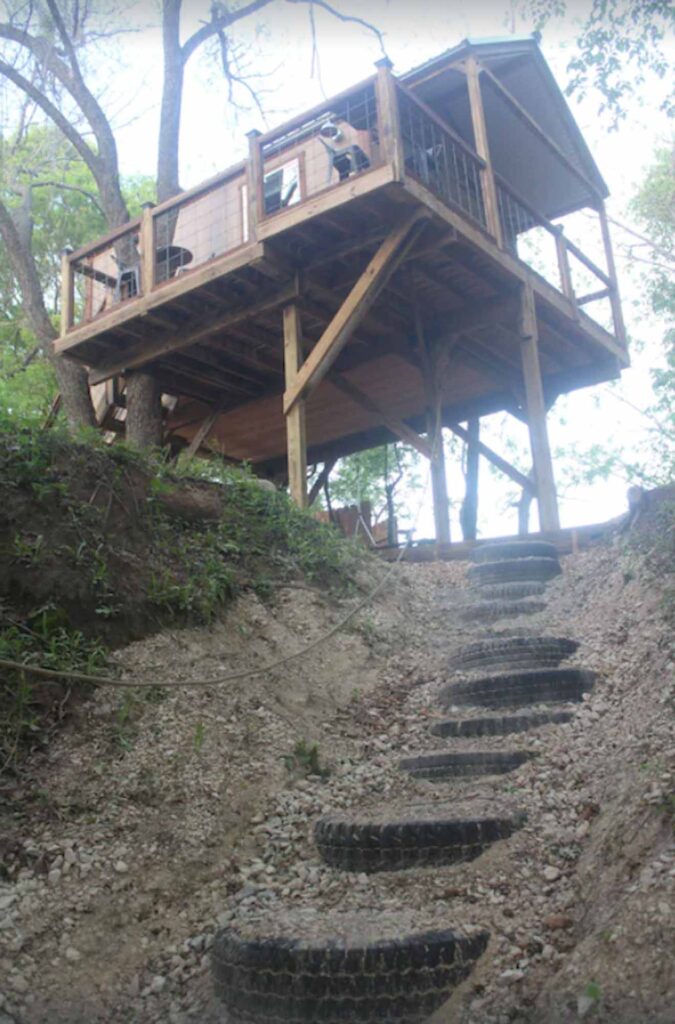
point(70, 188)
point(347, 18)
point(218, 24)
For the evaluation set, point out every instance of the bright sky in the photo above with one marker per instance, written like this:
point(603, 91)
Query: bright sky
point(279, 43)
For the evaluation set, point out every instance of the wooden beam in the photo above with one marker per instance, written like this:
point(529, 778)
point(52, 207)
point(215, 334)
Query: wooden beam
point(254, 181)
point(296, 438)
point(139, 355)
point(432, 389)
point(613, 284)
point(353, 309)
point(67, 293)
point(469, 511)
point(483, 149)
point(497, 461)
point(536, 414)
point(564, 266)
point(147, 249)
point(603, 293)
point(203, 432)
point(397, 426)
point(389, 128)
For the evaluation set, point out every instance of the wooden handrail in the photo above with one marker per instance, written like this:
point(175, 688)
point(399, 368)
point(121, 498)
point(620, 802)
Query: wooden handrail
point(583, 258)
point(311, 115)
point(205, 186)
point(433, 116)
point(105, 240)
point(541, 220)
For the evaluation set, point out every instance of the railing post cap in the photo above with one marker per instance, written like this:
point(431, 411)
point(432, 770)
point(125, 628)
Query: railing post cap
point(67, 249)
point(384, 62)
point(148, 205)
point(253, 134)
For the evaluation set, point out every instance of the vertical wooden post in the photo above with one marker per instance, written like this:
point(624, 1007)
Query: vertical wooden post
point(388, 122)
point(536, 413)
point(67, 291)
point(147, 249)
point(296, 441)
point(614, 297)
point(494, 223)
point(439, 486)
point(564, 266)
point(255, 210)
point(469, 512)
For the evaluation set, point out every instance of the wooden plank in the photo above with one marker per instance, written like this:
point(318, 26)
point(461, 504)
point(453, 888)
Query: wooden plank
point(105, 240)
point(492, 456)
point(202, 433)
point(433, 395)
point(539, 131)
point(603, 293)
point(564, 266)
point(536, 414)
point(338, 194)
point(254, 186)
point(145, 352)
point(296, 439)
point(397, 426)
point(483, 149)
point(67, 294)
point(352, 310)
point(389, 126)
point(219, 267)
point(613, 283)
point(588, 262)
point(147, 247)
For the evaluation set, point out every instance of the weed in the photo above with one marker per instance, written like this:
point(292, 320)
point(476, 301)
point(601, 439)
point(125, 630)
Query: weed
point(198, 740)
point(593, 991)
point(305, 760)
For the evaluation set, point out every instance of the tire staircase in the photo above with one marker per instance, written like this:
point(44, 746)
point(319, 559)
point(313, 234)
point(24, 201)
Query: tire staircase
point(394, 977)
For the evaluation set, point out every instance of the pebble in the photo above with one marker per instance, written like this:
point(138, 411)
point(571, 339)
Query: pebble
point(551, 873)
point(72, 955)
point(121, 867)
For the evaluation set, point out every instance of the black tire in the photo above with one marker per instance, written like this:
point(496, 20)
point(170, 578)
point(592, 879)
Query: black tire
point(498, 725)
point(511, 591)
point(518, 689)
point(514, 570)
point(500, 550)
point(398, 845)
point(513, 652)
point(465, 765)
point(491, 611)
point(293, 981)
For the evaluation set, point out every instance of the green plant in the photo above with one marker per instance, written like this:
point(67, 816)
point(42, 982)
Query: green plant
point(304, 759)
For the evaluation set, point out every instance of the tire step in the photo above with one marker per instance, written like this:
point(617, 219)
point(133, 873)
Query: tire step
point(491, 611)
point(500, 550)
point(409, 843)
point(498, 725)
point(464, 765)
point(512, 570)
point(511, 591)
point(518, 689)
point(290, 980)
point(513, 652)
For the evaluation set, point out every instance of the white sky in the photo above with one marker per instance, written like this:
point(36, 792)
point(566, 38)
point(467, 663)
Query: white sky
point(213, 136)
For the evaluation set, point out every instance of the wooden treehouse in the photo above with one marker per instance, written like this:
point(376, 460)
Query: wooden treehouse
point(386, 265)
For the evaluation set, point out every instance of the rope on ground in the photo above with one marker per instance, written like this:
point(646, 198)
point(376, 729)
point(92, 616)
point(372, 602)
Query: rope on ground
point(57, 675)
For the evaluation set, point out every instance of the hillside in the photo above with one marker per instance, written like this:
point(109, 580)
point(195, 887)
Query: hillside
point(149, 817)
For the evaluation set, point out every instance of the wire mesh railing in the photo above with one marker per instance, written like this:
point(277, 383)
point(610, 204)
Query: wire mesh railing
point(439, 159)
point(332, 144)
point(107, 275)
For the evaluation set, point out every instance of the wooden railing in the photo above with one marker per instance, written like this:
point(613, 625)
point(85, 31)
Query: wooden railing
point(375, 124)
point(519, 218)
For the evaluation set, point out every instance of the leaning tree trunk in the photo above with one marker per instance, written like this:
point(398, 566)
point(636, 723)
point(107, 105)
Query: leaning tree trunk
point(144, 427)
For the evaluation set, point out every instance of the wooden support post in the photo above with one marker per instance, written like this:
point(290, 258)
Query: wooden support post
point(147, 249)
point(496, 460)
point(296, 440)
point(469, 512)
point(255, 210)
point(483, 149)
point(388, 122)
point(614, 297)
point(439, 486)
point(536, 413)
point(67, 292)
point(566, 284)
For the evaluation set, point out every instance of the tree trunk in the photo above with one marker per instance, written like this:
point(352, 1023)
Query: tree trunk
point(144, 426)
point(172, 95)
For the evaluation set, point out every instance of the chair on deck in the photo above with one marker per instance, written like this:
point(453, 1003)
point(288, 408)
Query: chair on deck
point(346, 161)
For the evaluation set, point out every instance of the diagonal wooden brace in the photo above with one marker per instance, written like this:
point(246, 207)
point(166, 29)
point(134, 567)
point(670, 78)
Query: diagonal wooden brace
point(351, 312)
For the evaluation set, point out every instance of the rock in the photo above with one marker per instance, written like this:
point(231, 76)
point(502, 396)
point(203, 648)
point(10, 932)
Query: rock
point(158, 984)
point(555, 922)
point(72, 955)
point(551, 873)
point(121, 867)
point(20, 984)
point(584, 1005)
point(54, 876)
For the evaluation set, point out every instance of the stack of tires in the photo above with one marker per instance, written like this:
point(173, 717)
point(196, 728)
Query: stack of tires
point(509, 577)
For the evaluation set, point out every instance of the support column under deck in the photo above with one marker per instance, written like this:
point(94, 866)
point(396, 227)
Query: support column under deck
point(469, 513)
point(296, 439)
point(536, 413)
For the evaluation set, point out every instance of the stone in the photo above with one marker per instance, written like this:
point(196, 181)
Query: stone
point(121, 867)
point(584, 1005)
point(555, 922)
point(551, 873)
point(72, 955)
point(54, 876)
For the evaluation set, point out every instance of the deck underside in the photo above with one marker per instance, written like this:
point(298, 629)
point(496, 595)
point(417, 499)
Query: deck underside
point(219, 343)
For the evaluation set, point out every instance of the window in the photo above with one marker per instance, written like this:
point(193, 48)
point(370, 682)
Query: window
point(281, 187)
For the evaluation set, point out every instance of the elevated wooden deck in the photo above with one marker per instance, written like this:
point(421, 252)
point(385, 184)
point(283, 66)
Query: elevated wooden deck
point(194, 290)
